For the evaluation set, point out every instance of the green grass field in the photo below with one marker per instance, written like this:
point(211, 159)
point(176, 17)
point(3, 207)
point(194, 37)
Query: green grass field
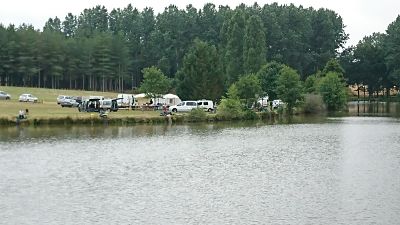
point(47, 107)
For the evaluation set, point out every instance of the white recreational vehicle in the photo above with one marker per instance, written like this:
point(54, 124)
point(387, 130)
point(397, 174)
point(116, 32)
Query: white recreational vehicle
point(125, 100)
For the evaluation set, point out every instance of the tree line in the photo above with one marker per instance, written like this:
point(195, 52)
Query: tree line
point(375, 61)
point(203, 51)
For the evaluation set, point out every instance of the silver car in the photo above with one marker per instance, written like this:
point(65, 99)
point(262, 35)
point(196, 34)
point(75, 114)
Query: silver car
point(27, 98)
point(4, 95)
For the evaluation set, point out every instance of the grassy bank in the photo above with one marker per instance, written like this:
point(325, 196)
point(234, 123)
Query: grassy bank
point(48, 112)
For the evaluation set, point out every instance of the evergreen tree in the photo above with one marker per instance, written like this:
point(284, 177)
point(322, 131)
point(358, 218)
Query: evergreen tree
point(254, 50)
point(69, 25)
point(201, 76)
point(233, 58)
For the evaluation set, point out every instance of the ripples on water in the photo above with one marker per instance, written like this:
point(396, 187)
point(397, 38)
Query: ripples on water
point(344, 171)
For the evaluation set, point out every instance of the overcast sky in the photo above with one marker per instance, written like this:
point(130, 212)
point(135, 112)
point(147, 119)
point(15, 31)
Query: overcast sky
point(361, 17)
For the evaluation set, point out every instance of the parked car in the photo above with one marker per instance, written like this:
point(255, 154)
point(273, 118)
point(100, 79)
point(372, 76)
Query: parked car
point(263, 101)
point(61, 98)
point(27, 98)
point(4, 95)
point(207, 105)
point(276, 103)
point(69, 101)
point(184, 106)
point(110, 105)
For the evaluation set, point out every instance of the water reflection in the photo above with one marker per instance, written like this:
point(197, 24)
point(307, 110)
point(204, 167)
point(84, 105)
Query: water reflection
point(365, 108)
point(22, 133)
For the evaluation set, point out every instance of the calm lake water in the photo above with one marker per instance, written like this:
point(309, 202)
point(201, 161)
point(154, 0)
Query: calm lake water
point(333, 171)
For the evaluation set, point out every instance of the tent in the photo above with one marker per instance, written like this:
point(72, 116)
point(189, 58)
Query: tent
point(171, 99)
point(168, 99)
point(141, 99)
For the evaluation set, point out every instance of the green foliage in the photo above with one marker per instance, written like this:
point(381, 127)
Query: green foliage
point(392, 51)
point(333, 91)
point(268, 76)
point(230, 109)
point(254, 50)
point(248, 88)
point(311, 84)
point(333, 65)
point(200, 76)
point(370, 60)
point(249, 114)
point(313, 103)
point(101, 49)
point(289, 87)
point(233, 92)
point(197, 115)
point(233, 58)
point(154, 82)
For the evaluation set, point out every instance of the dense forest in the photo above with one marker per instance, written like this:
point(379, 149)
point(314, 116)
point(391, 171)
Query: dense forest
point(108, 50)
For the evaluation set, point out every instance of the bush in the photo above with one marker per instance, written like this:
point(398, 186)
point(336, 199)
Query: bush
point(249, 114)
point(333, 91)
point(230, 109)
point(197, 115)
point(313, 103)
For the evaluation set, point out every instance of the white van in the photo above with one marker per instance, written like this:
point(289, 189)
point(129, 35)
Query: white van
point(263, 101)
point(276, 103)
point(109, 104)
point(207, 105)
point(125, 100)
point(184, 106)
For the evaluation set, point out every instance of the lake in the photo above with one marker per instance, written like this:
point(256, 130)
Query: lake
point(328, 171)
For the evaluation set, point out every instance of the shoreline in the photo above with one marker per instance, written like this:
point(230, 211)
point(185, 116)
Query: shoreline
point(128, 120)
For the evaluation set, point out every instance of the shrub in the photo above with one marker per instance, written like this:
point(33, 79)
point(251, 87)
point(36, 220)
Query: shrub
point(197, 115)
point(230, 109)
point(313, 103)
point(249, 114)
point(333, 91)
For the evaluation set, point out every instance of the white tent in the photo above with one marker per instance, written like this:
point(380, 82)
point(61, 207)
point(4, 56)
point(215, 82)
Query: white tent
point(141, 99)
point(171, 99)
point(168, 99)
point(142, 95)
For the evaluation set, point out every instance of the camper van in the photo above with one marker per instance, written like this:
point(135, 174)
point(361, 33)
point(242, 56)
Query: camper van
point(110, 105)
point(125, 100)
point(207, 105)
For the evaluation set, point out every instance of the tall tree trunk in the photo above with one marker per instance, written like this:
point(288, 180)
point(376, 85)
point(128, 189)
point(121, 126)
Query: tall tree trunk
point(83, 82)
point(39, 79)
point(70, 81)
point(103, 84)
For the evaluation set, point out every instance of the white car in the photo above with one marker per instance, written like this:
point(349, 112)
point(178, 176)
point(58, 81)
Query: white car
point(207, 105)
point(62, 98)
point(184, 106)
point(276, 103)
point(27, 98)
point(4, 95)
